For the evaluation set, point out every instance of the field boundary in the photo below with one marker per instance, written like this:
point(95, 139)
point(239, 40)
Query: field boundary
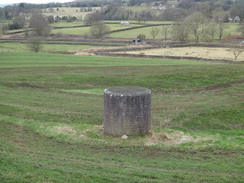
point(167, 57)
point(73, 42)
point(138, 27)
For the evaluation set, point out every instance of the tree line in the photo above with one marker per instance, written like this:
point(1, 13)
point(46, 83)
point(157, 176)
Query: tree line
point(209, 8)
point(194, 19)
point(117, 9)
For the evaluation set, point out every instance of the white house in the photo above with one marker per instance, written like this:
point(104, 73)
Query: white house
point(124, 23)
point(237, 19)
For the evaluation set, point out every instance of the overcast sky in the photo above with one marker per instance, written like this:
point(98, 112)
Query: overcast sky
point(32, 1)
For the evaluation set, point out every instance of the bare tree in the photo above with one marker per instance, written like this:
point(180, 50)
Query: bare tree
point(99, 30)
point(197, 23)
point(143, 16)
point(205, 9)
point(40, 25)
point(154, 32)
point(180, 31)
point(93, 18)
point(35, 44)
point(4, 29)
point(20, 20)
point(237, 49)
point(50, 19)
point(165, 32)
point(220, 17)
point(237, 52)
point(210, 31)
point(220, 27)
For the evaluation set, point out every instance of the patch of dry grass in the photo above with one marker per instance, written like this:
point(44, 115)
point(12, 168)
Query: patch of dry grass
point(201, 52)
point(68, 11)
point(172, 138)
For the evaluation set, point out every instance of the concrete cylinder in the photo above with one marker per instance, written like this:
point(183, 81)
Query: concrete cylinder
point(127, 110)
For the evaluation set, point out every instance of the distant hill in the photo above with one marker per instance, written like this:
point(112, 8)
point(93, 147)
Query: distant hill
point(3, 5)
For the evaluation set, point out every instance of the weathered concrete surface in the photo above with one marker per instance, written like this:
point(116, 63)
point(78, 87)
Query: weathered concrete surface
point(127, 110)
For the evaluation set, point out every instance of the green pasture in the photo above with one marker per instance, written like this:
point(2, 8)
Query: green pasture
point(2, 21)
point(118, 26)
point(123, 34)
point(57, 60)
point(135, 32)
point(158, 22)
point(14, 32)
point(136, 22)
point(67, 24)
point(230, 29)
point(51, 116)
point(72, 31)
point(85, 30)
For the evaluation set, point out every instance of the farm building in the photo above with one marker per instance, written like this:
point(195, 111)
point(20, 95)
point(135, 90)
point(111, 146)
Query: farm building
point(139, 41)
point(124, 23)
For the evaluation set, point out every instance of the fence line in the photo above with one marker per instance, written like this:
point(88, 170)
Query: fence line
point(167, 57)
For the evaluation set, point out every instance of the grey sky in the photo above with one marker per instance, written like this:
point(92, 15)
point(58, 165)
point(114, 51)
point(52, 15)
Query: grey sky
point(31, 1)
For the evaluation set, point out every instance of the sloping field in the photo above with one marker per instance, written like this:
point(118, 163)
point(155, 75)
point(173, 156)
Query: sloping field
point(51, 116)
point(68, 11)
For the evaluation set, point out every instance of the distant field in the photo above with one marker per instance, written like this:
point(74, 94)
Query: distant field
point(138, 8)
point(20, 47)
point(51, 116)
point(230, 29)
point(3, 21)
point(68, 12)
point(137, 22)
point(135, 32)
point(83, 30)
point(200, 52)
point(67, 24)
point(72, 31)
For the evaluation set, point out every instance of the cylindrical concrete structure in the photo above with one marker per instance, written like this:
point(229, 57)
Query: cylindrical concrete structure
point(127, 110)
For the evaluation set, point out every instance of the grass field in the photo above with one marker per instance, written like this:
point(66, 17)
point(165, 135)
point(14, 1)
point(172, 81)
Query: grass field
point(135, 32)
point(23, 47)
point(68, 11)
point(200, 52)
point(84, 30)
point(68, 24)
point(51, 116)
point(230, 29)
